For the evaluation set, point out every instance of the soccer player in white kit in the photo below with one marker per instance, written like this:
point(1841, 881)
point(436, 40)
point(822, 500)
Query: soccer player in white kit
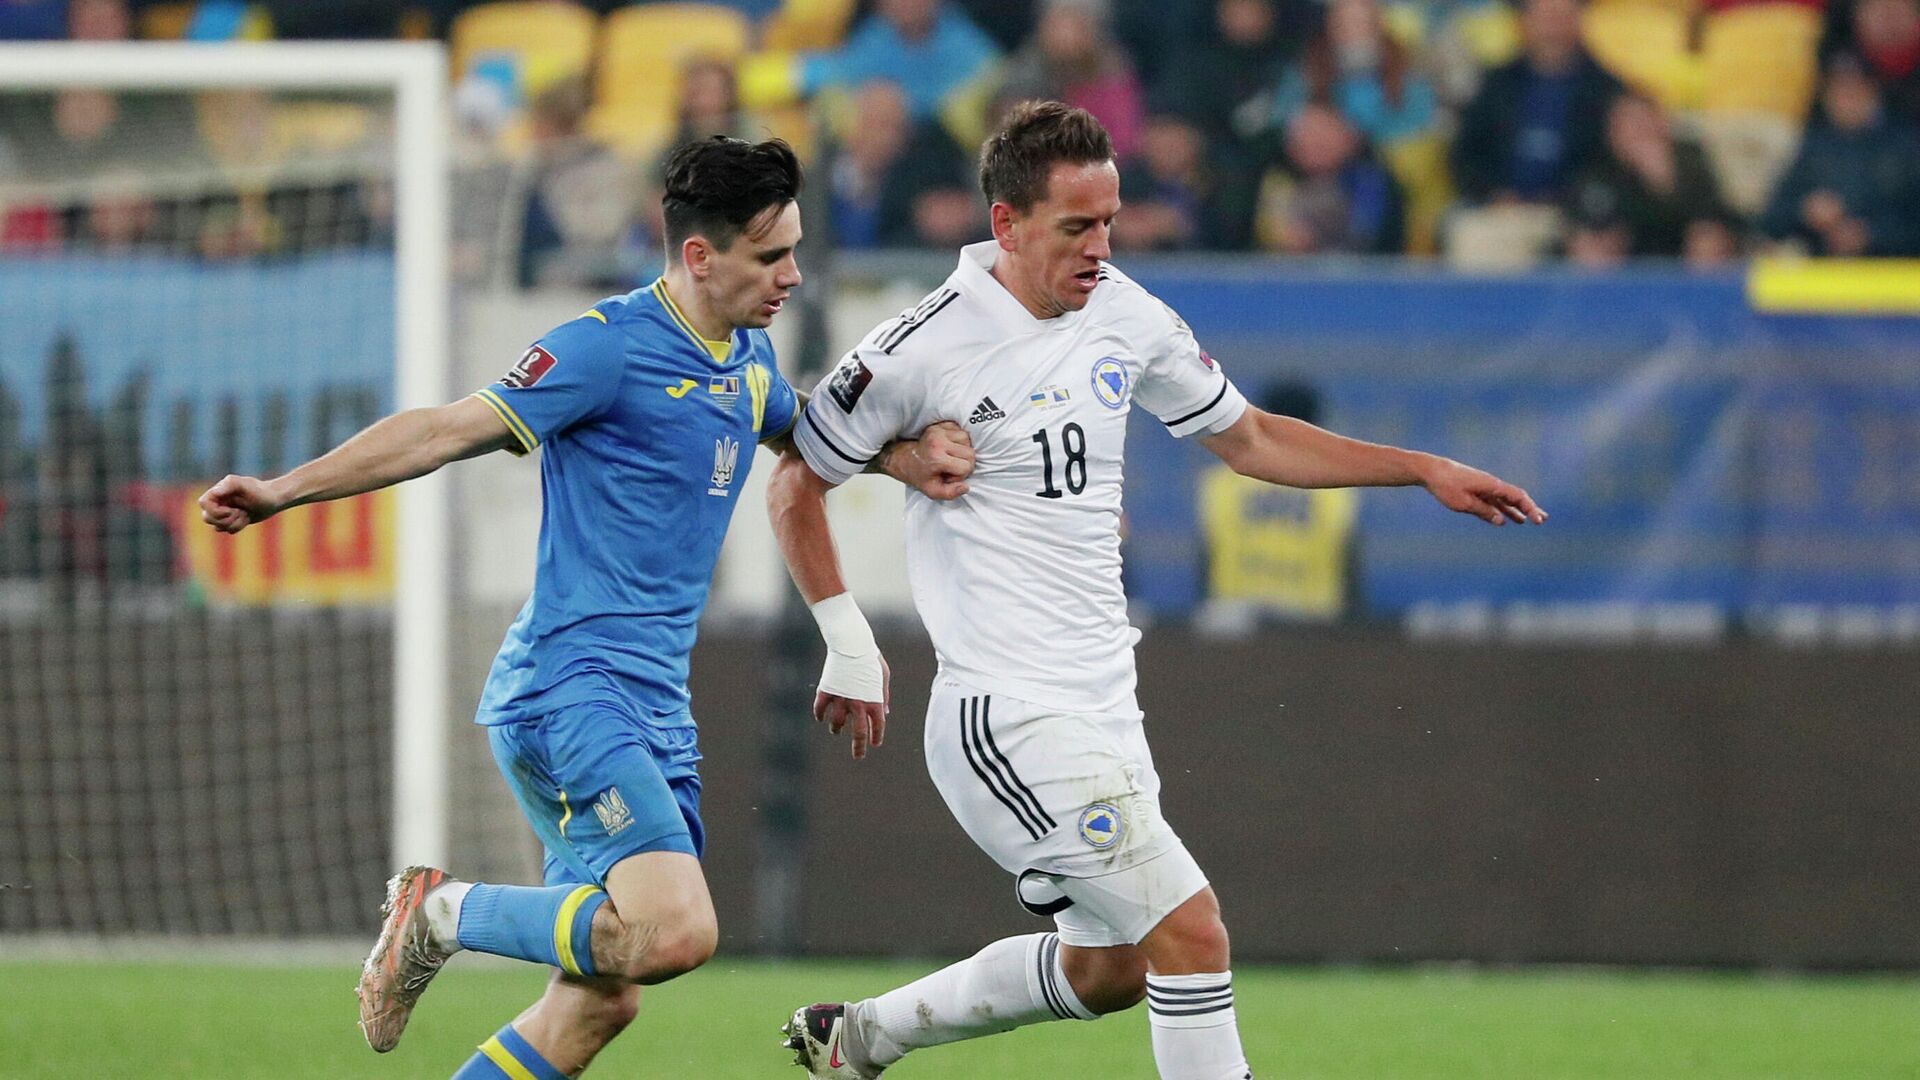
point(1033, 734)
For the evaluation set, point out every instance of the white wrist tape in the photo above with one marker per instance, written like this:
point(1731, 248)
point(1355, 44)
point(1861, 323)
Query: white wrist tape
point(853, 659)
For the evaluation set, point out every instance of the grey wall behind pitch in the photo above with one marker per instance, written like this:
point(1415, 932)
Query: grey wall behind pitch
point(1355, 796)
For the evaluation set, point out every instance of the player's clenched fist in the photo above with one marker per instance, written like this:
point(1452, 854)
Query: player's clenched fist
point(237, 502)
point(939, 461)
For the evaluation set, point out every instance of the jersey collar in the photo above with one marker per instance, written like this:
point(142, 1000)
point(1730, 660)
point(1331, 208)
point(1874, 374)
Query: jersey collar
point(975, 277)
point(719, 350)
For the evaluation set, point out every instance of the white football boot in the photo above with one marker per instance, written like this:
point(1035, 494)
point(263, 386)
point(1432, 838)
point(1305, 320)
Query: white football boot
point(816, 1035)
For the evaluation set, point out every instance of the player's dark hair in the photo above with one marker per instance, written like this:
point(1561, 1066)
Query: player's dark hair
point(1036, 136)
point(722, 187)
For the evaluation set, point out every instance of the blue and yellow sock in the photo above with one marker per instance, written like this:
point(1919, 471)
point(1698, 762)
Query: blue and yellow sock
point(546, 925)
point(507, 1056)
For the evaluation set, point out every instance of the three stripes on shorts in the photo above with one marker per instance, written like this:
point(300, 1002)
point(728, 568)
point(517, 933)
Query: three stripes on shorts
point(995, 771)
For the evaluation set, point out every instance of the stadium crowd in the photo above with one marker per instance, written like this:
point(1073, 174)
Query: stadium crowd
point(1488, 133)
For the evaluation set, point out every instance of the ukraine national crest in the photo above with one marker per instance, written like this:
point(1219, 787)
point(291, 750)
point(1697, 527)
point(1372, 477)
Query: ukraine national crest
point(726, 456)
point(612, 811)
point(1100, 826)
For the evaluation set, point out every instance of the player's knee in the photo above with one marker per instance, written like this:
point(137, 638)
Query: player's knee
point(1192, 939)
point(1198, 946)
point(684, 947)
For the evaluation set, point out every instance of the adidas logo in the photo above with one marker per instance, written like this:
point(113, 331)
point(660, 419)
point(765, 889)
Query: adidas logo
point(986, 411)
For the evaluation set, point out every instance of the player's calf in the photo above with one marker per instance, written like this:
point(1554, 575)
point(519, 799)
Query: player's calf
point(1010, 983)
point(1107, 980)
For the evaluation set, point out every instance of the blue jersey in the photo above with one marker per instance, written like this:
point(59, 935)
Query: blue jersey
point(648, 433)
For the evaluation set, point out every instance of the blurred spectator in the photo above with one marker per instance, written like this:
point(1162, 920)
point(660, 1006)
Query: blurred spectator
point(1332, 196)
point(1008, 22)
point(581, 198)
point(709, 106)
point(237, 226)
point(1354, 65)
point(709, 103)
point(752, 9)
point(932, 50)
point(1074, 58)
point(1887, 35)
point(1539, 121)
point(121, 215)
point(337, 19)
point(893, 183)
point(227, 20)
point(82, 130)
point(1854, 189)
point(1156, 34)
point(1176, 199)
point(33, 20)
point(1233, 65)
point(1649, 196)
point(1457, 41)
point(99, 20)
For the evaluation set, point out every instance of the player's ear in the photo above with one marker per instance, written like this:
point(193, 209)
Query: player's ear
point(1005, 220)
point(697, 254)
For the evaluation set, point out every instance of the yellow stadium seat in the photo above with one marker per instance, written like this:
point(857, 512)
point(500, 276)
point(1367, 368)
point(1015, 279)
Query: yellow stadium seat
point(1644, 43)
point(642, 51)
point(548, 40)
point(1761, 59)
point(803, 25)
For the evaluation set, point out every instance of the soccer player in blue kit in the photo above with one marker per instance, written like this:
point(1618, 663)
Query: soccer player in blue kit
point(648, 407)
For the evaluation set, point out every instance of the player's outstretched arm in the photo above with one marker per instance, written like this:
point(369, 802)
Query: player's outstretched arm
point(400, 447)
point(854, 687)
point(1282, 450)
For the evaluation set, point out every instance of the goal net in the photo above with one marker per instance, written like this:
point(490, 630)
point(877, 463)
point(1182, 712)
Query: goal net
point(213, 260)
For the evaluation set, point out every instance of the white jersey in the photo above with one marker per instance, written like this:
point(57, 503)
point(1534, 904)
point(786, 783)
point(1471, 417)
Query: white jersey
point(1018, 581)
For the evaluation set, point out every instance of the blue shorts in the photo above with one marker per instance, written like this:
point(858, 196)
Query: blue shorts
point(598, 785)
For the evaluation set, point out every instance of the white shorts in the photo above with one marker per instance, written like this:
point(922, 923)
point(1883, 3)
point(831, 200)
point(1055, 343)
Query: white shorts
point(1068, 803)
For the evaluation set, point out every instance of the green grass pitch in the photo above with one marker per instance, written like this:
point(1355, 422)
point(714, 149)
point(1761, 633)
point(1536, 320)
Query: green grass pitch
point(155, 1021)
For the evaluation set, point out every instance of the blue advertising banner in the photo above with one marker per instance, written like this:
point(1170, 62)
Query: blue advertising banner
point(1691, 451)
point(196, 333)
point(134, 381)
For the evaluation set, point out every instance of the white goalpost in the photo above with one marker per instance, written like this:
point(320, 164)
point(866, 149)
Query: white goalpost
point(216, 238)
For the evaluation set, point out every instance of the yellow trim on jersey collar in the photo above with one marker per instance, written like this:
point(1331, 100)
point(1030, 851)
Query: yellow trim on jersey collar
point(719, 350)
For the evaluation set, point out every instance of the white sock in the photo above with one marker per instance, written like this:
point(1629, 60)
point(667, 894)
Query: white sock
point(1195, 1036)
point(442, 906)
point(1010, 983)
